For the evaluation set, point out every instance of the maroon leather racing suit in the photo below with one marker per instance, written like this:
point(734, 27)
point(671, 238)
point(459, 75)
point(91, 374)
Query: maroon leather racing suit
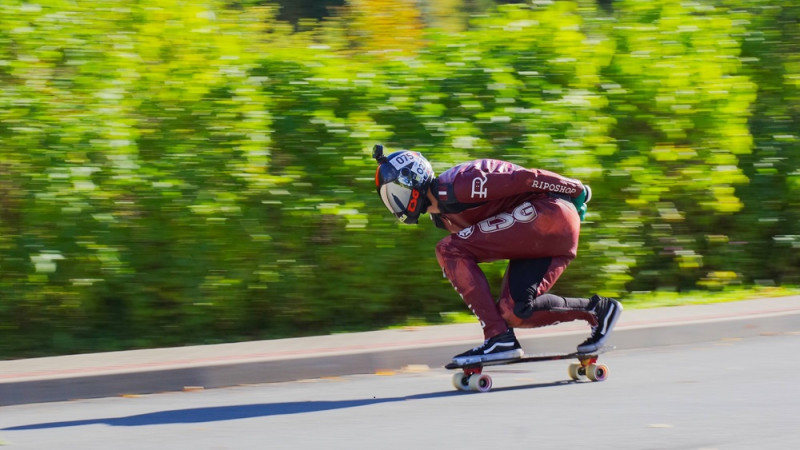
point(498, 210)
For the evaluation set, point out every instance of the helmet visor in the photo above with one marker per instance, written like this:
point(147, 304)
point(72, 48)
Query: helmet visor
point(396, 197)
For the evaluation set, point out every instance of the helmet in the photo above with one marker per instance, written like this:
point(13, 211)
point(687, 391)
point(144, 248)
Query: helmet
point(402, 181)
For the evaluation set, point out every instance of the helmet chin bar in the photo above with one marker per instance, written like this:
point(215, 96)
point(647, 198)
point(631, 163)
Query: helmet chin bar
point(422, 206)
point(424, 203)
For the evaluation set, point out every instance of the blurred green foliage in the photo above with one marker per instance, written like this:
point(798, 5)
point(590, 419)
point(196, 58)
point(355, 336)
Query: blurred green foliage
point(176, 172)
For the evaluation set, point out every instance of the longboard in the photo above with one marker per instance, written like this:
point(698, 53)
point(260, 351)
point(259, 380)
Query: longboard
point(472, 378)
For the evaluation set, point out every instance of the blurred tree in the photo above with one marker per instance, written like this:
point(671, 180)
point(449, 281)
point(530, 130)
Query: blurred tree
point(388, 27)
point(176, 174)
point(133, 137)
point(454, 15)
point(294, 11)
point(771, 56)
point(681, 109)
point(447, 15)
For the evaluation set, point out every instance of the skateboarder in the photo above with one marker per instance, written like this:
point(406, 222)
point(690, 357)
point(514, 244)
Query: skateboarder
point(497, 210)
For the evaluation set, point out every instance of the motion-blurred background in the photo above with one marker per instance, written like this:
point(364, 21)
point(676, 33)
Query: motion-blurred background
point(176, 172)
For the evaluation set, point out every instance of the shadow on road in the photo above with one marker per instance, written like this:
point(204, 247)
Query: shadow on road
point(235, 412)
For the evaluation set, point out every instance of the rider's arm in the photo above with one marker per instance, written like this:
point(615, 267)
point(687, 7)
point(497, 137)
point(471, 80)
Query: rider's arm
point(487, 179)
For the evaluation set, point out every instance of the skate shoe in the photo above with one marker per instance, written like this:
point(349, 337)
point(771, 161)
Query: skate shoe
point(502, 346)
point(607, 311)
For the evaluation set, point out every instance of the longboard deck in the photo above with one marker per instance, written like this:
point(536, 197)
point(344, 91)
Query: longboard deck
point(531, 358)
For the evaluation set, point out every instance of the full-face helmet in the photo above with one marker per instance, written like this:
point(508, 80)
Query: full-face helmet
point(402, 181)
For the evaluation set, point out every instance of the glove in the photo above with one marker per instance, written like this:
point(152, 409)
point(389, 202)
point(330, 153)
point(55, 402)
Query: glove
point(581, 201)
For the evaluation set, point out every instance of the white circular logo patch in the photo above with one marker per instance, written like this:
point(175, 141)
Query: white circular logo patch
point(466, 232)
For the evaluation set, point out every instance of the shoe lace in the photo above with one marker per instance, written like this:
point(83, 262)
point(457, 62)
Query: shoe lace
point(485, 343)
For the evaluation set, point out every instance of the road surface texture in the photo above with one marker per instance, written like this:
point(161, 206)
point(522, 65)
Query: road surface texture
point(728, 393)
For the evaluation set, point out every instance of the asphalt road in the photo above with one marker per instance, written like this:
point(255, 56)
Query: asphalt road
point(726, 394)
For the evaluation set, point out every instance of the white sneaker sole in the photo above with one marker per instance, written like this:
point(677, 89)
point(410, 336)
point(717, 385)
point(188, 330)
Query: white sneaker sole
point(476, 359)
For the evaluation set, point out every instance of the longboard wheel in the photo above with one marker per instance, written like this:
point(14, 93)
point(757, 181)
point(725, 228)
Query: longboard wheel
point(461, 381)
point(480, 382)
point(597, 372)
point(574, 371)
